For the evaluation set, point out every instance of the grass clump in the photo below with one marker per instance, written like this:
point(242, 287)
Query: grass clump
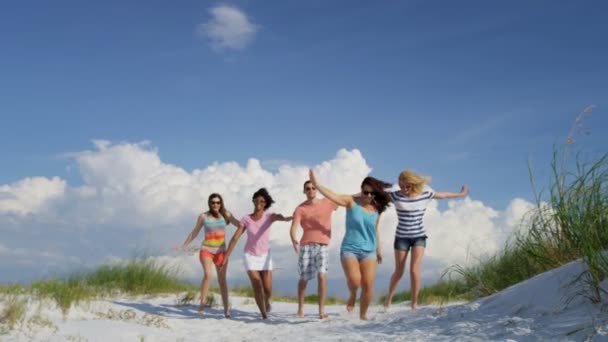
point(13, 312)
point(568, 222)
point(137, 276)
point(242, 291)
point(65, 293)
point(574, 221)
point(439, 293)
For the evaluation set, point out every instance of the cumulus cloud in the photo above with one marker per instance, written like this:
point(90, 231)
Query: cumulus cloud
point(133, 203)
point(228, 29)
point(30, 195)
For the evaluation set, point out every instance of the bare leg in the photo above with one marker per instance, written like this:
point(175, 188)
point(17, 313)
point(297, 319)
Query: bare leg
point(221, 279)
point(267, 285)
point(322, 293)
point(417, 253)
point(353, 280)
point(258, 291)
point(368, 274)
point(207, 275)
point(301, 293)
point(400, 258)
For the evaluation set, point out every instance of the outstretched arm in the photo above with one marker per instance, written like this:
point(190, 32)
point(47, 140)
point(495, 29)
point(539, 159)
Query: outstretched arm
point(231, 219)
point(235, 238)
point(341, 200)
point(193, 234)
point(280, 217)
point(442, 195)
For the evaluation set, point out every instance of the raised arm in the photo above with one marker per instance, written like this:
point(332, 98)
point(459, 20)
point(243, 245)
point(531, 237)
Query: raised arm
point(235, 238)
point(378, 244)
point(341, 200)
point(442, 195)
point(292, 232)
point(193, 234)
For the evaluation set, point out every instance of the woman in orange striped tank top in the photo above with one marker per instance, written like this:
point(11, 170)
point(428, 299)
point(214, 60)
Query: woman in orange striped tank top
point(213, 248)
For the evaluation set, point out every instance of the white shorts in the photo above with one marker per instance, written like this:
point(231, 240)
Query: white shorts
point(258, 262)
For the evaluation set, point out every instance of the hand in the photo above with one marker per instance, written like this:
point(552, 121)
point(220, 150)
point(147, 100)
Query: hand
point(224, 262)
point(379, 256)
point(311, 176)
point(296, 246)
point(464, 190)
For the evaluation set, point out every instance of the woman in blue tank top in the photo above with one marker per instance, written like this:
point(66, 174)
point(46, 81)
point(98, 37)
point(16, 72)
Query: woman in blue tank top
point(360, 249)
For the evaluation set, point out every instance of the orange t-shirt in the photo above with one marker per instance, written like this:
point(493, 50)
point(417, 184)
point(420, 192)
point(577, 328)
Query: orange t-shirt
point(315, 220)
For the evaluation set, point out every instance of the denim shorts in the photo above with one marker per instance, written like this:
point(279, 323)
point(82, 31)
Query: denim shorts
point(359, 255)
point(404, 244)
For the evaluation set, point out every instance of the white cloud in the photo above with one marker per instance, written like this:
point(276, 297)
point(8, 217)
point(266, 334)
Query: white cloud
point(30, 195)
point(133, 202)
point(228, 29)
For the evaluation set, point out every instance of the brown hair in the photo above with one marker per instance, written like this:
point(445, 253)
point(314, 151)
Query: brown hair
point(222, 208)
point(264, 194)
point(381, 197)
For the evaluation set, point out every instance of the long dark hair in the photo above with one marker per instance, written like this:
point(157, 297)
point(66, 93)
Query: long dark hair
point(381, 197)
point(263, 193)
point(222, 208)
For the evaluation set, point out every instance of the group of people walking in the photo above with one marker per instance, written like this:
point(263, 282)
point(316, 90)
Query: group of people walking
point(360, 250)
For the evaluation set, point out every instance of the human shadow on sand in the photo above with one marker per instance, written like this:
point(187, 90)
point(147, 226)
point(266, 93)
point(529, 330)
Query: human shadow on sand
point(191, 312)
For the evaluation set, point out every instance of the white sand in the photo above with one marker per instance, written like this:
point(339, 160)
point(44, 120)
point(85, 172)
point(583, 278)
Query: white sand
point(542, 308)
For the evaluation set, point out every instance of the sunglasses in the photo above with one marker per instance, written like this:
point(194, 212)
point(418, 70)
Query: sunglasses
point(367, 193)
point(215, 202)
point(310, 188)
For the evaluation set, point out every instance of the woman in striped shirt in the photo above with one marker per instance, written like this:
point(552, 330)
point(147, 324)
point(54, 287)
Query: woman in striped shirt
point(213, 248)
point(411, 202)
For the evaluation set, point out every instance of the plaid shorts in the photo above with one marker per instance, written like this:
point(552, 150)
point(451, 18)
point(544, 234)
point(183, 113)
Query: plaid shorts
point(314, 258)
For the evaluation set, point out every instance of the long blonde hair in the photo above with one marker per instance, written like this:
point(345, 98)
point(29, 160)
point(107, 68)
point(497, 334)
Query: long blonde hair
point(411, 177)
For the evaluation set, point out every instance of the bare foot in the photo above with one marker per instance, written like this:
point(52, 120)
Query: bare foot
point(227, 313)
point(363, 318)
point(268, 307)
point(264, 315)
point(414, 306)
point(387, 304)
point(201, 309)
point(323, 315)
point(350, 305)
point(300, 314)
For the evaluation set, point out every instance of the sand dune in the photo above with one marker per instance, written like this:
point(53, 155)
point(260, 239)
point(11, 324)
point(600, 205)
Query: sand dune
point(542, 308)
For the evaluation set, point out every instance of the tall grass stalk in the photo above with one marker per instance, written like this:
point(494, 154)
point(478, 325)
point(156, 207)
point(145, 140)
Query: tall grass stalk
point(568, 222)
point(573, 222)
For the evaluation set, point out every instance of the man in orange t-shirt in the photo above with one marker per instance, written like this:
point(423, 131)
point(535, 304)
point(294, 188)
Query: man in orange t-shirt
point(314, 215)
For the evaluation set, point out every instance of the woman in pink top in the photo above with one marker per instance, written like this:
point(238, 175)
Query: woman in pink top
point(257, 249)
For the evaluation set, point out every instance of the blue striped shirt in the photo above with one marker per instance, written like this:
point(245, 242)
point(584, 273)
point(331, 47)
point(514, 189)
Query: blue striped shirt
point(410, 212)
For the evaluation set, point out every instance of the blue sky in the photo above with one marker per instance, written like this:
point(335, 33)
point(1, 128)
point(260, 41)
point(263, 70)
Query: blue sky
point(463, 91)
point(467, 86)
